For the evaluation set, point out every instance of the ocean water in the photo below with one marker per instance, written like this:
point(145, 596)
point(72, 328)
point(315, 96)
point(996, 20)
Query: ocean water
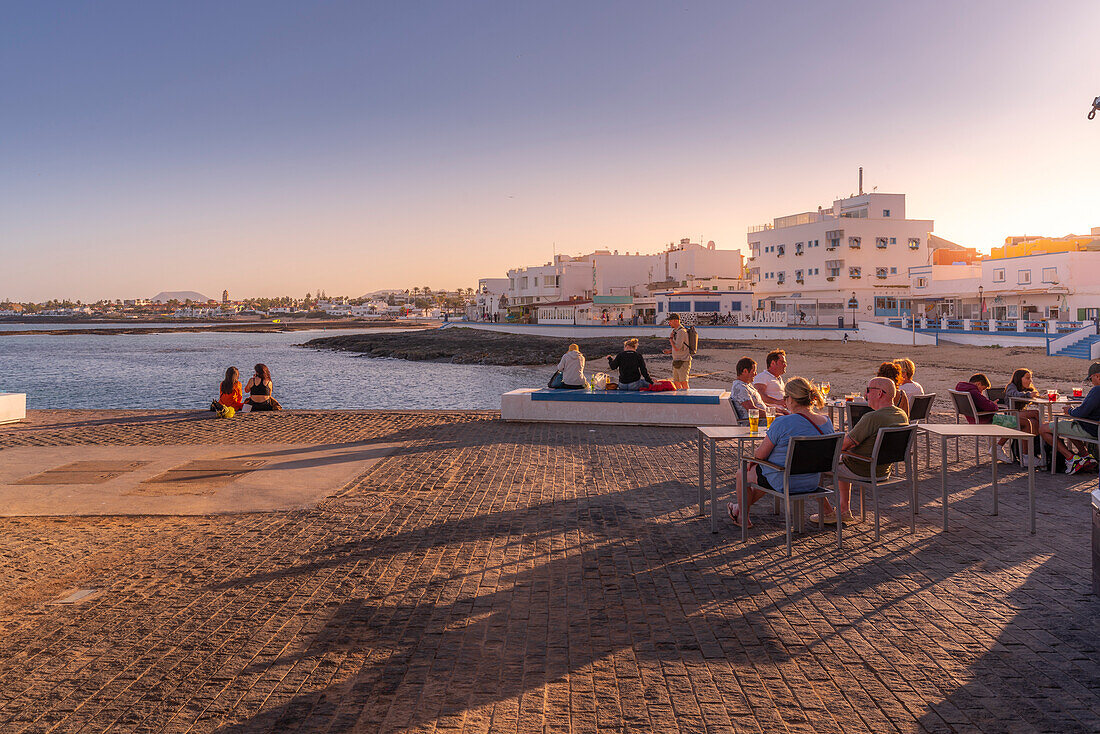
point(183, 371)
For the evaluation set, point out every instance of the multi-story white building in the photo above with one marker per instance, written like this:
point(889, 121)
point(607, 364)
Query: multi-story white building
point(490, 301)
point(611, 273)
point(1042, 285)
point(819, 263)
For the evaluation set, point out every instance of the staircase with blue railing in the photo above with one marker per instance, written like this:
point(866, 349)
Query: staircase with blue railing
point(1081, 349)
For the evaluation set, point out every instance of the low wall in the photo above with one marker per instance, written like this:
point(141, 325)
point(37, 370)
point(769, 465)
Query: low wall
point(762, 333)
point(883, 334)
point(978, 339)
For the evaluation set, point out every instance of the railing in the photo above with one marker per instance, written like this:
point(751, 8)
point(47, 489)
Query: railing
point(759, 228)
point(955, 324)
point(1006, 325)
point(1035, 327)
point(1072, 337)
point(1065, 327)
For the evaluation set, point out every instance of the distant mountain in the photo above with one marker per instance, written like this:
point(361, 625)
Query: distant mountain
point(181, 296)
point(380, 293)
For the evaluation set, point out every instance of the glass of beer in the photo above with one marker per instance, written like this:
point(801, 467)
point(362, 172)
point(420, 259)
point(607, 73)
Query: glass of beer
point(825, 389)
point(769, 417)
point(754, 421)
point(1077, 392)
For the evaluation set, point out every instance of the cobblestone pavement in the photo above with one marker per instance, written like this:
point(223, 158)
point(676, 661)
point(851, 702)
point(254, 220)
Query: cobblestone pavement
point(534, 578)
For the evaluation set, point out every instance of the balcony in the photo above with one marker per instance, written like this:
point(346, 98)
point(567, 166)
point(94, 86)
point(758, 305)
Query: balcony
point(780, 251)
point(854, 243)
point(914, 244)
point(881, 242)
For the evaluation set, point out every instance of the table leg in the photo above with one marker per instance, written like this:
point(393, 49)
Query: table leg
point(1030, 483)
point(702, 490)
point(1053, 446)
point(993, 451)
point(743, 499)
point(943, 478)
point(713, 486)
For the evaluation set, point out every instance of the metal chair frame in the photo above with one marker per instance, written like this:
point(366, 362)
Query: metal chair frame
point(1054, 430)
point(789, 467)
point(1017, 405)
point(920, 410)
point(971, 411)
point(875, 482)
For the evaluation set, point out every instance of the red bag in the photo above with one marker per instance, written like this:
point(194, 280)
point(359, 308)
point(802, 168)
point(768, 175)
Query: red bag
point(659, 386)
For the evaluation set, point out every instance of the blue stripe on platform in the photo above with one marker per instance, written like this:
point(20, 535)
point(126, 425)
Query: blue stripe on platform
point(691, 397)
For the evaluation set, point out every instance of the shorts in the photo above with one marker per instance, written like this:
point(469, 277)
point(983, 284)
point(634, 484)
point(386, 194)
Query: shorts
point(1067, 429)
point(680, 374)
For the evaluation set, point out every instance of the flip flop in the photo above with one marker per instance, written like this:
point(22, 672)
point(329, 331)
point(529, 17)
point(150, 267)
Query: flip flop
point(734, 513)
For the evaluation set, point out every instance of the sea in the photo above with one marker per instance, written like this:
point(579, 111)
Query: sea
point(182, 370)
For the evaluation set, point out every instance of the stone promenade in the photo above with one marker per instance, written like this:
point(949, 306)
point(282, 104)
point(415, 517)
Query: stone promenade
point(531, 578)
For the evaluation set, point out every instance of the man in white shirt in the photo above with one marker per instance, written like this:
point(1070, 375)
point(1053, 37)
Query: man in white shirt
point(770, 382)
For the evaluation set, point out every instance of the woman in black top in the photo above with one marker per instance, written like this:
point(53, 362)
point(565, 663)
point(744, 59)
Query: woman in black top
point(261, 389)
point(632, 372)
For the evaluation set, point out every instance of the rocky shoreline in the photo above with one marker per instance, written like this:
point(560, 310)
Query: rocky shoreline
point(243, 327)
point(472, 346)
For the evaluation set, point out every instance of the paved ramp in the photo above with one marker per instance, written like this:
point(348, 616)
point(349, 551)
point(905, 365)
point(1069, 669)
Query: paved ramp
point(177, 480)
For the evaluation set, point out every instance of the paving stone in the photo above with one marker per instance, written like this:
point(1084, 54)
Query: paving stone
point(508, 577)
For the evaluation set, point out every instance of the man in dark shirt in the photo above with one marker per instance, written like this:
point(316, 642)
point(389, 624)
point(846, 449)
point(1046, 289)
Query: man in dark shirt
point(1077, 433)
point(632, 372)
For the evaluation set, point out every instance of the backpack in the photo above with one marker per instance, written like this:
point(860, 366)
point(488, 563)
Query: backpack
point(693, 340)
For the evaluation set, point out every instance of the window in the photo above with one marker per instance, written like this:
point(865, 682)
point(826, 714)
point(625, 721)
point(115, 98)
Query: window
point(853, 243)
point(885, 212)
point(880, 242)
point(922, 282)
point(833, 237)
point(880, 272)
point(854, 272)
point(999, 275)
point(893, 240)
point(893, 271)
point(679, 307)
point(707, 306)
point(780, 277)
point(798, 248)
point(1050, 275)
point(799, 277)
point(1023, 277)
point(914, 243)
point(780, 250)
point(536, 281)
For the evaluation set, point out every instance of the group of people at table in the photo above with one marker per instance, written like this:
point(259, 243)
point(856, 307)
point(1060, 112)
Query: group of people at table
point(796, 403)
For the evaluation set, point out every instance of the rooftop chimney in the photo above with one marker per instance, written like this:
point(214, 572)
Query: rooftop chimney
point(861, 180)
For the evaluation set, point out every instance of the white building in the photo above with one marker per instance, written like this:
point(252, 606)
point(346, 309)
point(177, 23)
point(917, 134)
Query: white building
point(1056, 286)
point(860, 248)
point(611, 273)
point(704, 306)
point(490, 301)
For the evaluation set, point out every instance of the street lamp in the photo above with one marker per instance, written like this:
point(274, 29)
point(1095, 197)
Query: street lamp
point(981, 302)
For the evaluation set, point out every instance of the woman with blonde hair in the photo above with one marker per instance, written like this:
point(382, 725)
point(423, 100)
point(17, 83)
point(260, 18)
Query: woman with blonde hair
point(909, 386)
point(802, 398)
point(892, 371)
point(571, 366)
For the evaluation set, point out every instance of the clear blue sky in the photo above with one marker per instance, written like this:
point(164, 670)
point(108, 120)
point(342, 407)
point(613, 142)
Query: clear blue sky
point(273, 148)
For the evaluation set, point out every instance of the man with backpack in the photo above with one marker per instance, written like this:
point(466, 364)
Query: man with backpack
point(681, 350)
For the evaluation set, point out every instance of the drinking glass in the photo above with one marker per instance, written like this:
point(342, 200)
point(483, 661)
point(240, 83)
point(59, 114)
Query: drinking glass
point(769, 417)
point(1077, 392)
point(1052, 395)
point(754, 421)
point(825, 389)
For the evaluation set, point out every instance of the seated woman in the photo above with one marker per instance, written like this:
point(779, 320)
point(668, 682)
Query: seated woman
point(1020, 388)
point(230, 390)
point(260, 389)
point(571, 366)
point(909, 386)
point(800, 397)
point(892, 371)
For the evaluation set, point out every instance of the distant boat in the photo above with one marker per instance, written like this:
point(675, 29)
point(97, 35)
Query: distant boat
point(274, 321)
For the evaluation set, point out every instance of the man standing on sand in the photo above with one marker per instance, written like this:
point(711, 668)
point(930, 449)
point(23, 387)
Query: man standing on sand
point(681, 355)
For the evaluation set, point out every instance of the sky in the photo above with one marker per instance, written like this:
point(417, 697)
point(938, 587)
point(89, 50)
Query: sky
point(274, 148)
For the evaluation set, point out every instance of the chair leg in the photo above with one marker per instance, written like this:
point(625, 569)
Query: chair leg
point(787, 503)
point(874, 500)
point(913, 505)
point(821, 513)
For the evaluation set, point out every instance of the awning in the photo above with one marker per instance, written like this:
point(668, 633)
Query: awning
point(834, 263)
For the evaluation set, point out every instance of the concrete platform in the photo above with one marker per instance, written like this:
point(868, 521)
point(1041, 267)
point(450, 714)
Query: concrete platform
point(13, 407)
point(177, 480)
point(695, 407)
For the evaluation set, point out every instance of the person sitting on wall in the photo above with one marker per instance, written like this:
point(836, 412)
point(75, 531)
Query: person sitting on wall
point(571, 366)
point(633, 374)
